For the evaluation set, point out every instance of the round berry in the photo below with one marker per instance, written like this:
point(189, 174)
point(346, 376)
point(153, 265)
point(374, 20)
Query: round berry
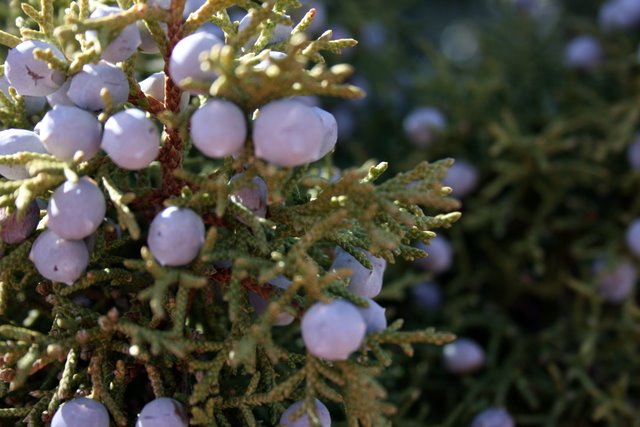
point(287, 419)
point(59, 141)
point(15, 228)
point(131, 139)
point(493, 417)
point(176, 236)
point(185, 62)
point(583, 52)
point(81, 412)
point(163, 412)
point(330, 131)
point(86, 86)
point(31, 76)
point(218, 129)
point(373, 316)
point(364, 282)
point(60, 97)
point(254, 199)
point(33, 104)
point(428, 296)
point(288, 133)
point(58, 259)
point(462, 177)
point(619, 15)
point(126, 42)
point(334, 330)
point(422, 126)
point(154, 86)
point(463, 356)
point(13, 141)
point(260, 305)
point(633, 154)
point(616, 284)
point(439, 255)
point(76, 209)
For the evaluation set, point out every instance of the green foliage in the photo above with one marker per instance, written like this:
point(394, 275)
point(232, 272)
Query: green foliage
point(131, 329)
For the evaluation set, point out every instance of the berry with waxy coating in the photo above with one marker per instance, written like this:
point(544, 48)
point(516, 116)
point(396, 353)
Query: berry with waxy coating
point(81, 412)
point(493, 417)
point(154, 86)
point(218, 128)
point(131, 139)
point(322, 413)
point(373, 316)
point(58, 259)
point(633, 154)
point(462, 177)
point(163, 412)
point(422, 126)
point(31, 76)
point(619, 15)
point(616, 284)
point(463, 356)
point(85, 86)
point(60, 97)
point(439, 255)
point(334, 330)
point(364, 282)
point(54, 131)
point(185, 58)
point(254, 199)
point(632, 237)
point(15, 228)
point(330, 131)
point(126, 42)
point(33, 104)
point(76, 209)
point(427, 295)
point(260, 305)
point(176, 236)
point(14, 141)
point(583, 52)
point(288, 133)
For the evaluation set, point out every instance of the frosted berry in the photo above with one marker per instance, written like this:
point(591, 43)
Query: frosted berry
point(260, 304)
point(254, 199)
point(60, 97)
point(126, 42)
point(14, 141)
point(633, 154)
point(33, 104)
point(619, 15)
point(218, 128)
point(85, 86)
point(333, 331)
point(131, 140)
point(321, 411)
point(58, 259)
point(76, 209)
point(288, 133)
point(427, 295)
point(633, 237)
point(616, 284)
point(462, 177)
point(185, 59)
point(81, 412)
point(56, 135)
point(583, 52)
point(280, 33)
point(176, 236)
point(439, 255)
point(31, 76)
point(373, 316)
point(493, 417)
point(363, 282)
point(330, 131)
point(154, 86)
point(163, 412)
point(463, 356)
point(15, 228)
point(422, 126)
